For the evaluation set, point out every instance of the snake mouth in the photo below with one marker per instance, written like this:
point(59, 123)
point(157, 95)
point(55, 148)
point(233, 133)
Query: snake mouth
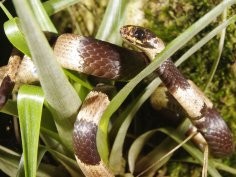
point(126, 34)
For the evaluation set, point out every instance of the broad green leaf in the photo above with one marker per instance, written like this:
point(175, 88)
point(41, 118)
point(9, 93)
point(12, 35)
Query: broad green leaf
point(58, 91)
point(30, 103)
point(14, 34)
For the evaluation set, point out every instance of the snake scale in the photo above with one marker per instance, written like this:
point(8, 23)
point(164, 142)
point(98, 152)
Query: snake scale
point(106, 60)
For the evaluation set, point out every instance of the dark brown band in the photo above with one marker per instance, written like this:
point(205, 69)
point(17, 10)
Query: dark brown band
point(5, 90)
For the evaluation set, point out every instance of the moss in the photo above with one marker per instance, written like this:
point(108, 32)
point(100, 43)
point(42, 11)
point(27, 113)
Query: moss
point(176, 169)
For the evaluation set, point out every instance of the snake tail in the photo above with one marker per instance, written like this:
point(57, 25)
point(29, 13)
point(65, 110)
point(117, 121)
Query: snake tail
point(199, 109)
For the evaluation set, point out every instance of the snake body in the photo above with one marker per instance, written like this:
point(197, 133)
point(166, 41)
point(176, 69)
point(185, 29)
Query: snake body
point(98, 58)
point(198, 108)
point(83, 54)
point(84, 135)
point(102, 59)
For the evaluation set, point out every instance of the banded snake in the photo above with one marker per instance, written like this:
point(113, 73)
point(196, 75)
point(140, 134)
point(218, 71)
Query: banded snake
point(102, 59)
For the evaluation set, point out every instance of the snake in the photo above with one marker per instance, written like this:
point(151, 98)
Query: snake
point(102, 59)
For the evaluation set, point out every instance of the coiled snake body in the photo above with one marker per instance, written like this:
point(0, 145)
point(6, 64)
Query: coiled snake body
point(106, 60)
point(199, 109)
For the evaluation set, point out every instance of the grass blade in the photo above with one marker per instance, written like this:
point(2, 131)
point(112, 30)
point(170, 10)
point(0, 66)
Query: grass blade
point(42, 16)
point(10, 108)
point(9, 161)
point(112, 21)
point(116, 155)
point(30, 104)
point(137, 146)
point(8, 14)
point(197, 154)
point(54, 6)
point(220, 49)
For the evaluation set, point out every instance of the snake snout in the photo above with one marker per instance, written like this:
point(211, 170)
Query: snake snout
point(143, 39)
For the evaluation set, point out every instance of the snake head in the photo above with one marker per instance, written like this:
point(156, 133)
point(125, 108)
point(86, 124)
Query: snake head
point(143, 39)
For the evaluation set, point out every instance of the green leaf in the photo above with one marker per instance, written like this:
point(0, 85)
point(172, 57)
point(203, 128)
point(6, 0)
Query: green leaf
point(79, 80)
point(224, 167)
point(149, 159)
point(54, 6)
point(42, 16)
point(8, 14)
point(9, 161)
point(137, 147)
point(14, 32)
point(10, 108)
point(30, 104)
point(15, 35)
point(58, 91)
point(70, 164)
point(220, 49)
point(112, 21)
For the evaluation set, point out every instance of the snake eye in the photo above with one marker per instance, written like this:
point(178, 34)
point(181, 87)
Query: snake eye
point(139, 34)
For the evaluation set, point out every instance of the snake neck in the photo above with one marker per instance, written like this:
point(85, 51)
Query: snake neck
point(152, 53)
